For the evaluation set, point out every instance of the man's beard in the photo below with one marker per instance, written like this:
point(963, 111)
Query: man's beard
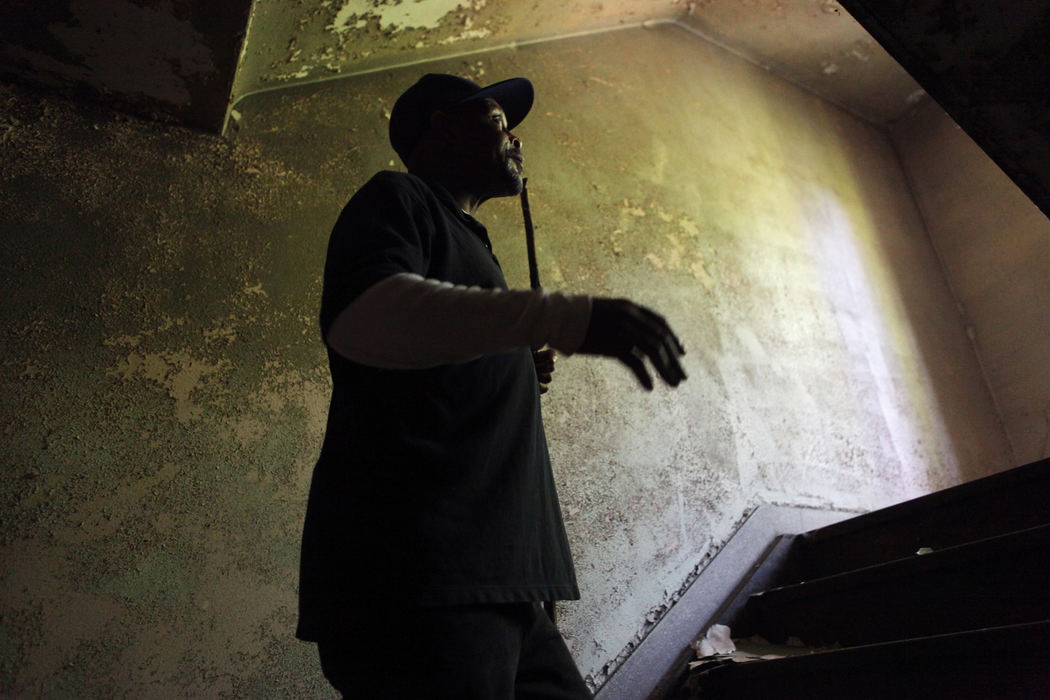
point(510, 178)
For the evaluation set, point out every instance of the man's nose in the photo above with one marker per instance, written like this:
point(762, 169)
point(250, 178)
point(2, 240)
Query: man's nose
point(515, 142)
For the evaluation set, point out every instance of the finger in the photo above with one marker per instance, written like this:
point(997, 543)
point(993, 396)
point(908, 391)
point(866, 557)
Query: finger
point(668, 369)
point(659, 324)
point(636, 365)
point(544, 366)
point(658, 343)
point(544, 388)
point(544, 360)
point(654, 346)
point(666, 363)
point(664, 328)
point(544, 378)
point(669, 359)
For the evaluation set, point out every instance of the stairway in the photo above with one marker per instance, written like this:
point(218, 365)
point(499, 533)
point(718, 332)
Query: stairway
point(947, 595)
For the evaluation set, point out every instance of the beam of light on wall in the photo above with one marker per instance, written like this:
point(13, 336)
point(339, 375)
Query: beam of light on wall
point(879, 351)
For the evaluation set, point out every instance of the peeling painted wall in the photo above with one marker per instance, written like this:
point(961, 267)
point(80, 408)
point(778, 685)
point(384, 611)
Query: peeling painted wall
point(176, 59)
point(162, 399)
point(813, 43)
point(291, 43)
point(172, 59)
point(164, 388)
point(995, 247)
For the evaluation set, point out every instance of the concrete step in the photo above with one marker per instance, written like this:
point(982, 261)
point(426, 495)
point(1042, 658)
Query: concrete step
point(1002, 662)
point(995, 581)
point(1012, 500)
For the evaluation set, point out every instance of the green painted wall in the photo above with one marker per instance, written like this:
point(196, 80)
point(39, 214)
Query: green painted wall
point(164, 388)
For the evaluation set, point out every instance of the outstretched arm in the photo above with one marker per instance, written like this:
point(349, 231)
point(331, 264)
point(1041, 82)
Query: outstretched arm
point(408, 322)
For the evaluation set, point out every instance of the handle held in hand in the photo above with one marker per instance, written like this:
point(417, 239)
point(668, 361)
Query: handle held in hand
point(530, 236)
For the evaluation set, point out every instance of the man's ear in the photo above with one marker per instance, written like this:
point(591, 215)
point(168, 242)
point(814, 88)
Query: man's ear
point(441, 128)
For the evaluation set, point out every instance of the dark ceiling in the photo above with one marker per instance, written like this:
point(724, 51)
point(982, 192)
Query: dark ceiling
point(987, 64)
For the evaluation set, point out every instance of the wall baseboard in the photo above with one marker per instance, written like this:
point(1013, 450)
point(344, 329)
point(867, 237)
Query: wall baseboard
point(658, 654)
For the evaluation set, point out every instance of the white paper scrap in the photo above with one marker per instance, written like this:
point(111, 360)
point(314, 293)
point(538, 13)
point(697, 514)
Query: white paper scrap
point(716, 640)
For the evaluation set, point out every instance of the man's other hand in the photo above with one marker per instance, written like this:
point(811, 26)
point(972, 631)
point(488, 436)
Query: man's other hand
point(544, 361)
point(622, 329)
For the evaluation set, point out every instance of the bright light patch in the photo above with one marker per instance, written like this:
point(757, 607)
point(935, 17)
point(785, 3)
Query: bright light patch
point(880, 355)
point(424, 14)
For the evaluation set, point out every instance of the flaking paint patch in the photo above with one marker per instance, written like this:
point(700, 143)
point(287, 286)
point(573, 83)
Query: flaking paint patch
point(678, 249)
point(395, 16)
point(177, 373)
point(149, 312)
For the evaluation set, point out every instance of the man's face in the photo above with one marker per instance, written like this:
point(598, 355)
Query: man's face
point(486, 152)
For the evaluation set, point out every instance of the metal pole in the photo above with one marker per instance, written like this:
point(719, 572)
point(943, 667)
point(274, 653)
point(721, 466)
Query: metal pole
point(530, 235)
point(534, 282)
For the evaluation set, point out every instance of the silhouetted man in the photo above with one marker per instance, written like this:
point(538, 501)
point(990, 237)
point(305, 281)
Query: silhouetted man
point(433, 531)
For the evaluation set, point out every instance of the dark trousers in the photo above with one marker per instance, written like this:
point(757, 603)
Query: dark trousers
point(487, 652)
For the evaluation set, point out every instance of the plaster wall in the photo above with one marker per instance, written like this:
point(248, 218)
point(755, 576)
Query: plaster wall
point(164, 388)
point(292, 43)
point(995, 247)
point(814, 44)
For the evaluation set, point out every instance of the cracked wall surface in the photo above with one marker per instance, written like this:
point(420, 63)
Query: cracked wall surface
point(291, 42)
point(177, 59)
point(813, 43)
point(164, 387)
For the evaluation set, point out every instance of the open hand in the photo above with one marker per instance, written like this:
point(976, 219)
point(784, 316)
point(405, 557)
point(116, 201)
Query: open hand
point(544, 361)
point(631, 333)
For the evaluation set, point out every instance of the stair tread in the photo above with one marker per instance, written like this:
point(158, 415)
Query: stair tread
point(999, 580)
point(977, 641)
point(970, 659)
point(1009, 480)
point(990, 547)
point(1008, 501)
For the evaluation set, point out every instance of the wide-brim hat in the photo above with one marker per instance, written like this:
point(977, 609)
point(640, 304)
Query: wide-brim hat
point(435, 91)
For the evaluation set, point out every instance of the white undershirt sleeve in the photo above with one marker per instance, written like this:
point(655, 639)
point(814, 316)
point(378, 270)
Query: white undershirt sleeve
point(408, 322)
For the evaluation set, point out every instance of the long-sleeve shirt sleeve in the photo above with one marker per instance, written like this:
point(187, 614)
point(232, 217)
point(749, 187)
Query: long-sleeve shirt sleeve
point(408, 322)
